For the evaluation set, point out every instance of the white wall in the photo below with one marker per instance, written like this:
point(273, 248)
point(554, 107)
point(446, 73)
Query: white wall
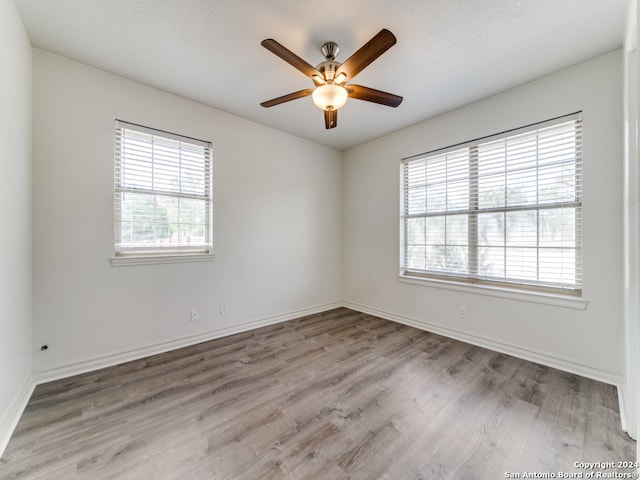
point(277, 225)
point(15, 218)
point(586, 341)
point(631, 382)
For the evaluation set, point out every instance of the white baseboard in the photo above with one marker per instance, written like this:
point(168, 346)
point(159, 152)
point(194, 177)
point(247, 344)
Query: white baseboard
point(530, 355)
point(14, 412)
point(627, 413)
point(96, 363)
point(10, 420)
point(623, 411)
point(11, 417)
point(566, 365)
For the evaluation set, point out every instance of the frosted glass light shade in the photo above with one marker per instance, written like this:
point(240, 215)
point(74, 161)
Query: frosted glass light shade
point(330, 97)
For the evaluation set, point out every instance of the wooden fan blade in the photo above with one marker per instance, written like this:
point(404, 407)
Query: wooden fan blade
point(287, 98)
point(290, 57)
point(372, 95)
point(330, 119)
point(371, 50)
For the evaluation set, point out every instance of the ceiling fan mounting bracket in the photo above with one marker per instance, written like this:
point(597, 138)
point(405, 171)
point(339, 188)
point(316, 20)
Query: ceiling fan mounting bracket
point(330, 51)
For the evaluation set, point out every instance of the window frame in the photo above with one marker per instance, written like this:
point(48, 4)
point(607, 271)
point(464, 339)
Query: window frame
point(150, 254)
point(473, 279)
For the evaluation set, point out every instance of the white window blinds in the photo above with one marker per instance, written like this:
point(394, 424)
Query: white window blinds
point(505, 209)
point(163, 192)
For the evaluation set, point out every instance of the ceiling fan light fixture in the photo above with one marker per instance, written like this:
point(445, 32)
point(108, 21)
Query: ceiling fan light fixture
point(318, 80)
point(340, 78)
point(329, 97)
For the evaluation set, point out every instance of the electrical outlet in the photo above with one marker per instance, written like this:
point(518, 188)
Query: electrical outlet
point(224, 308)
point(195, 314)
point(462, 312)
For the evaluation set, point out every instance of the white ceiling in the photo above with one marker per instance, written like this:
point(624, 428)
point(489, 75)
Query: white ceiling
point(449, 52)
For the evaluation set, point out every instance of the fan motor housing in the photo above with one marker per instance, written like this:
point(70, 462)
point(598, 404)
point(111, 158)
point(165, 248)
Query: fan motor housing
point(328, 69)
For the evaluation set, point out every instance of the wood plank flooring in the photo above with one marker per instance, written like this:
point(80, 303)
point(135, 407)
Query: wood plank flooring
point(338, 395)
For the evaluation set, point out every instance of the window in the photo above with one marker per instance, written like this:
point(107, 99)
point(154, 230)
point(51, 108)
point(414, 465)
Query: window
point(163, 195)
point(504, 210)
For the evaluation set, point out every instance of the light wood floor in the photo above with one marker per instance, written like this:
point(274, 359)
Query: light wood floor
point(338, 395)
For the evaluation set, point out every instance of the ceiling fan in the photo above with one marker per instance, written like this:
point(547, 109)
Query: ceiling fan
point(331, 78)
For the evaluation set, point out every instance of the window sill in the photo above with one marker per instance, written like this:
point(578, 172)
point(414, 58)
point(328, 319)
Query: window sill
point(131, 260)
point(502, 292)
